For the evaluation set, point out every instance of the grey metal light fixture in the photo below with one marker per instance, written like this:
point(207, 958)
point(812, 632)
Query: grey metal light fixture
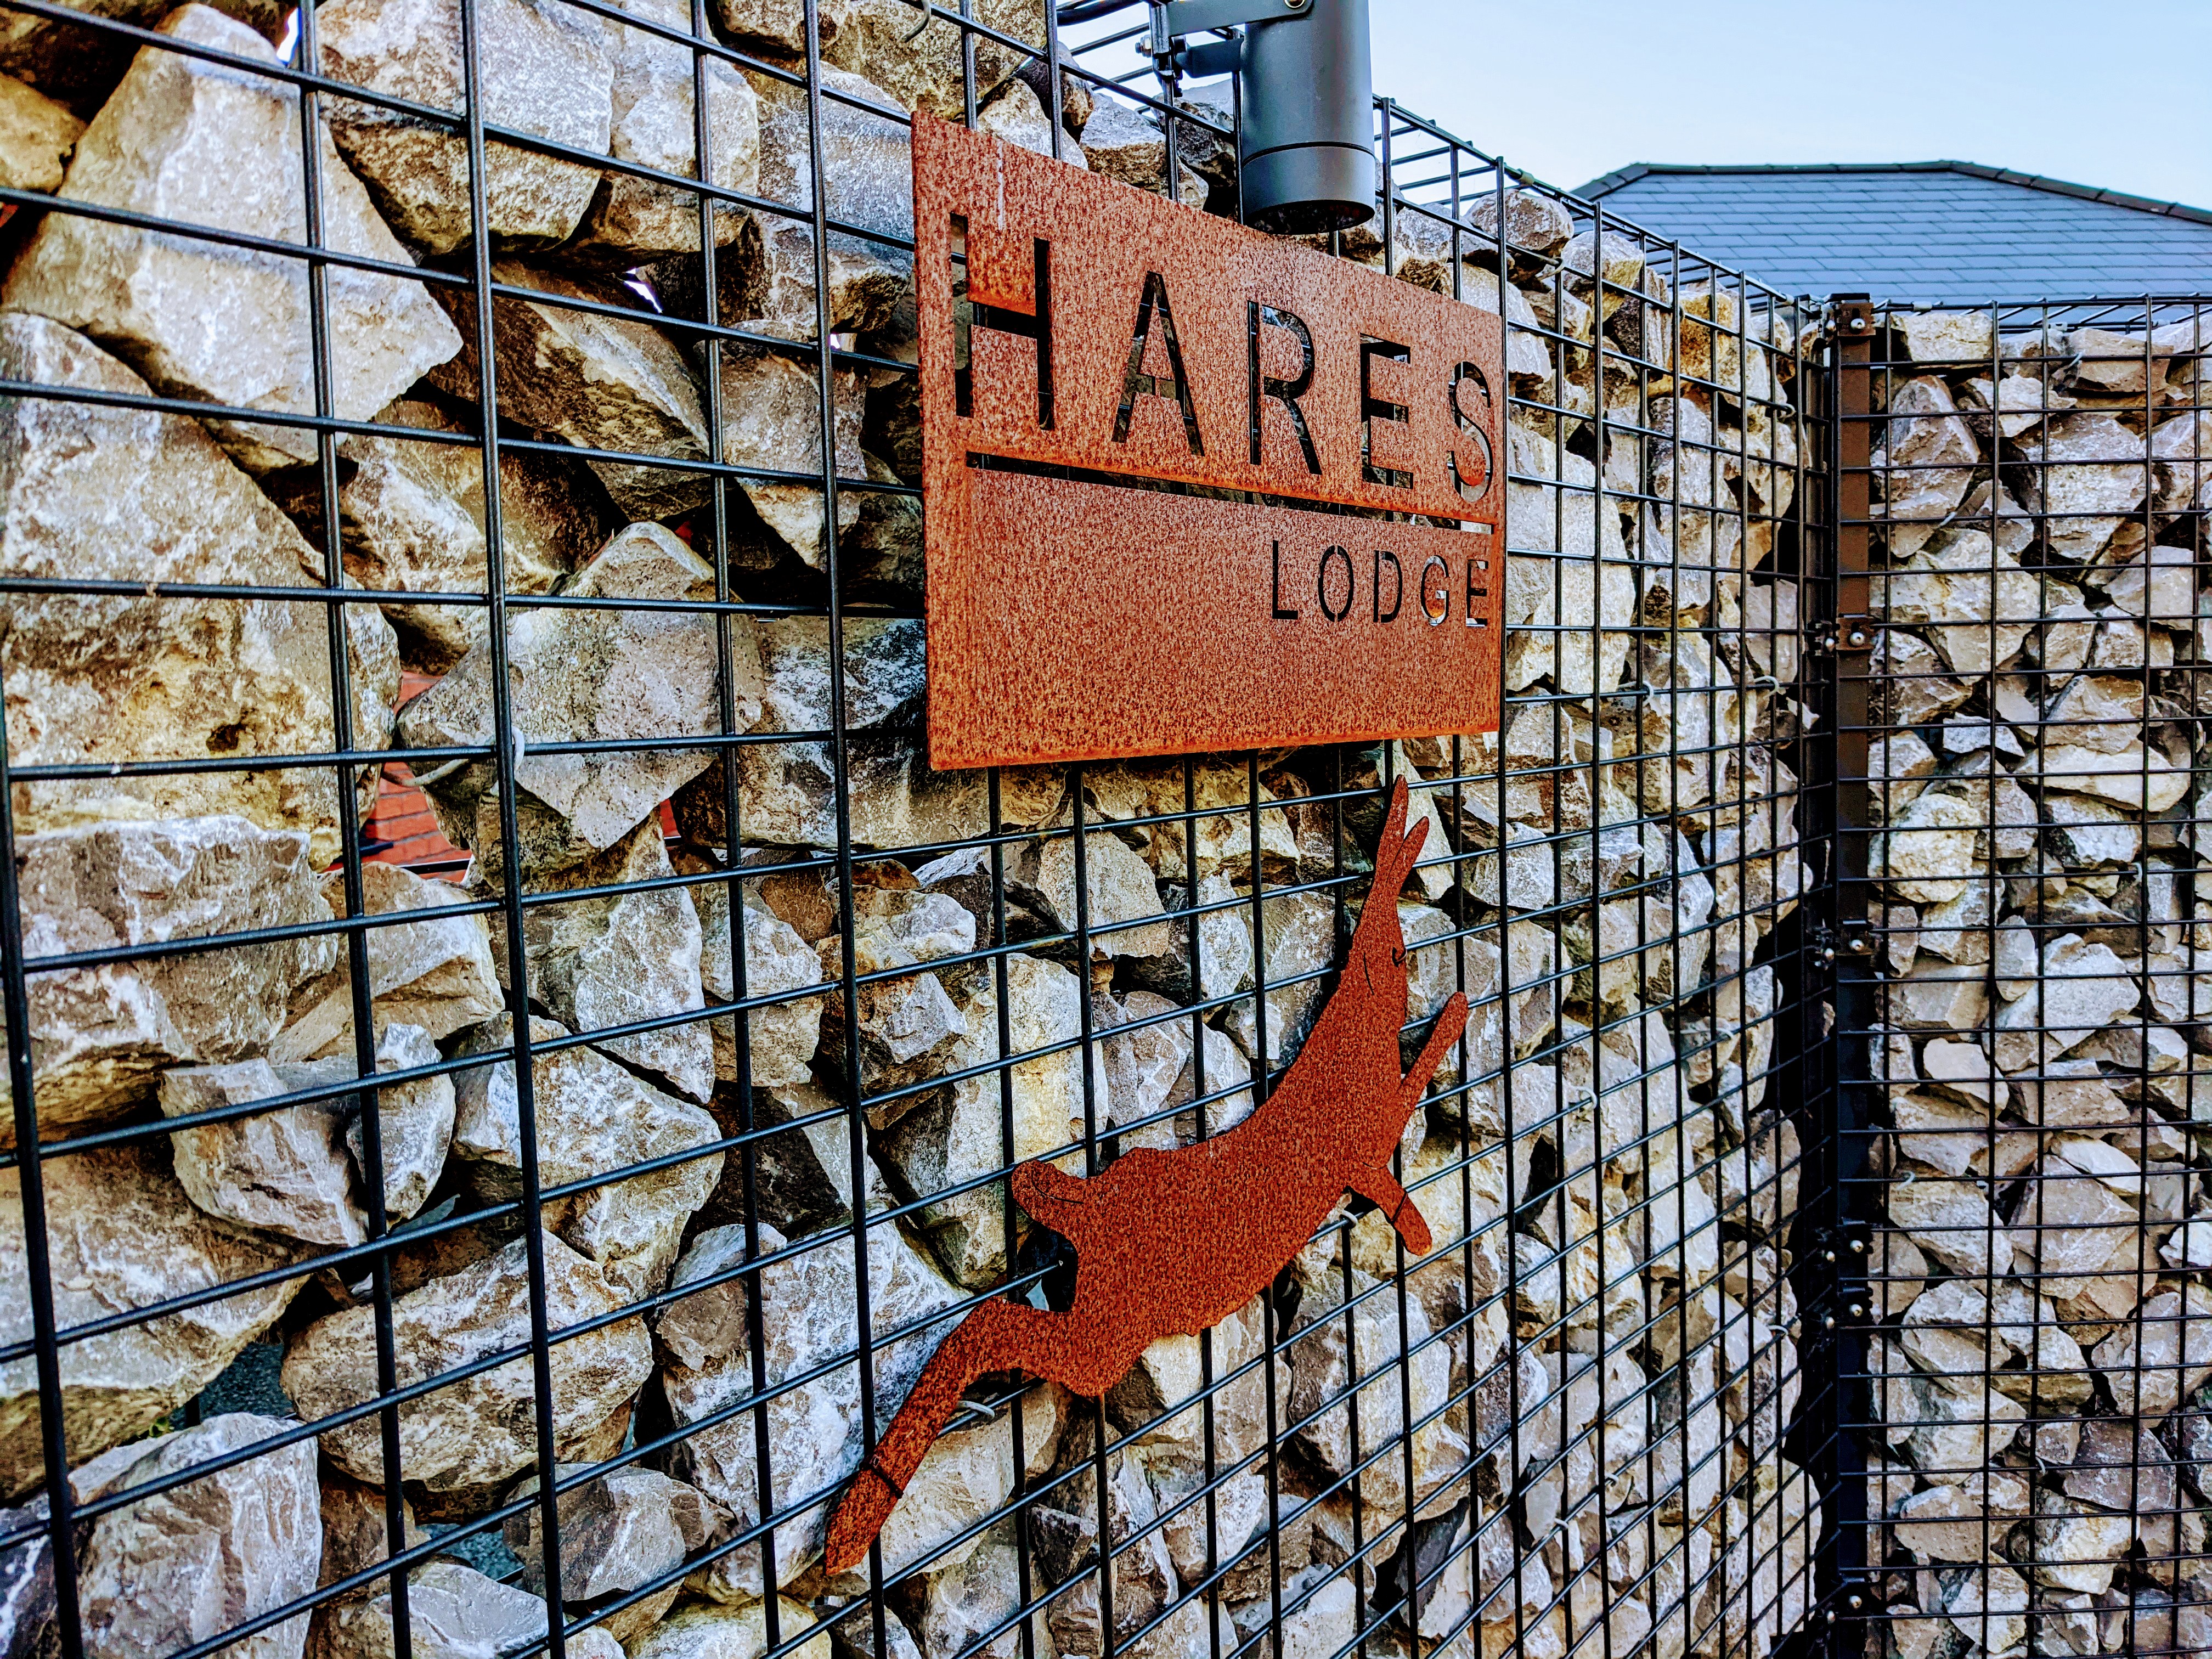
point(1305, 148)
point(1305, 145)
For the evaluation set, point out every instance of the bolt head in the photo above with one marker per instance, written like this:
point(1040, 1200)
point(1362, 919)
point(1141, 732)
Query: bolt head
point(1858, 1310)
point(1858, 1247)
point(1828, 1322)
point(1861, 945)
point(1857, 324)
point(1858, 636)
point(1857, 1602)
point(1827, 1255)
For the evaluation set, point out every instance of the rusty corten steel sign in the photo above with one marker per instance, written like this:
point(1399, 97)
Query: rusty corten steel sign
point(1098, 365)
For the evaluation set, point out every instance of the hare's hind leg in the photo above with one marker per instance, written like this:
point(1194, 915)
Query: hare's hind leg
point(998, 1336)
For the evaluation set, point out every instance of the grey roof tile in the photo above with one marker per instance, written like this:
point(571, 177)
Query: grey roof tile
point(1943, 233)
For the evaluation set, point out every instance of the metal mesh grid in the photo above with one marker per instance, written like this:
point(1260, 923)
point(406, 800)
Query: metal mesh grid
point(712, 1053)
point(2023, 704)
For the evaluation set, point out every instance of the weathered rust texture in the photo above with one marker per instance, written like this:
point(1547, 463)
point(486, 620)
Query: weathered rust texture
point(1172, 1243)
point(1076, 617)
point(1080, 620)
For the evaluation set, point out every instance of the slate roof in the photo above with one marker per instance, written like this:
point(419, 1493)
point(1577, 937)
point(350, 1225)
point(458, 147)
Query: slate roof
point(1945, 233)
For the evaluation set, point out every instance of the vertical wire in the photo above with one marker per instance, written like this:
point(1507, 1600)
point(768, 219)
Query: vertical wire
point(504, 762)
point(841, 777)
point(38, 1260)
point(338, 629)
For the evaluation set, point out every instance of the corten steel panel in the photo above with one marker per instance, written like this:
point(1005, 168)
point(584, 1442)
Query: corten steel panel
point(1079, 617)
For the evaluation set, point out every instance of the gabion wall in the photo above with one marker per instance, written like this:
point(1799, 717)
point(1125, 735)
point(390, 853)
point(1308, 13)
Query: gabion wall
point(2040, 482)
point(514, 400)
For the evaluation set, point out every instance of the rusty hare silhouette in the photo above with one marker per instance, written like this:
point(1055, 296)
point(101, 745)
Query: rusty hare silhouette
point(1169, 1243)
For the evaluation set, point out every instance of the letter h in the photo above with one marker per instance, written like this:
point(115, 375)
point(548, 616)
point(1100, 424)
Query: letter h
point(970, 313)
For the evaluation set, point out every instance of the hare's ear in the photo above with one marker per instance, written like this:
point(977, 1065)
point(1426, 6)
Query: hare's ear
point(1396, 850)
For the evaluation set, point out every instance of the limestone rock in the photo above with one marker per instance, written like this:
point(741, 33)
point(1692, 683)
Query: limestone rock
point(1954, 1430)
point(1975, 600)
point(1927, 854)
point(1945, 336)
point(100, 1036)
point(1296, 945)
point(2123, 1467)
point(122, 1235)
point(1130, 145)
point(877, 40)
point(36, 136)
point(1531, 221)
point(1952, 1223)
point(2144, 780)
point(1988, 1606)
point(808, 1314)
point(2077, 1549)
point(127, 496)
point(1224, 947)
point(600, 382)
point(2160, 1355)
point(1329, 1365)
point(2107, 360)
point(589, 676)
point(1919, 691)
point(415, 1124)
point(634, 219)
point(772, 418)
point(2083, 988)
point(952, 1138)
point(356, 1531)
point(2087, 474)
point(1016, 115)
point(766, 283)
point(283, 1170)
point(437, 972)
point(1218, 840)
point(786, 796)
point(185, 139)
point(480, 1429)
point(547, 69)
point(594, 1119)
point(1929, 453)
point(79, 67)
point(1943, 1523)
point(453, 1612)
point(618, 1531)
point(173, 1571)
point(600, 963)
point(867, 158)
point(1121, 900)
point(26, 1579)
point(412, 513)
point(735, 1632)
point(781, 1036)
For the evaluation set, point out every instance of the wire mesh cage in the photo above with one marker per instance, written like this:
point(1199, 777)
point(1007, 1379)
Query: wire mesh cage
point(516, 1060)
point(2023, 499)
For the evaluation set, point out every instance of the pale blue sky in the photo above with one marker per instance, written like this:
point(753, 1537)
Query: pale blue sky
point(2116, 94)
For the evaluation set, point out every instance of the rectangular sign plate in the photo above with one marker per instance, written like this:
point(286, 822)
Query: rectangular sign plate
point(1170, 472)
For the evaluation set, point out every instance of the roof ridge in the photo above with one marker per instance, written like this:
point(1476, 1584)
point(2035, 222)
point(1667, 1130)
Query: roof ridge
point(1621, 177)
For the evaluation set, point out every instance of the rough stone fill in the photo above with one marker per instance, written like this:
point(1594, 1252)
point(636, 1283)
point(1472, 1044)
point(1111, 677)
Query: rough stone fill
point(2039, 525)
point(1562, 1427)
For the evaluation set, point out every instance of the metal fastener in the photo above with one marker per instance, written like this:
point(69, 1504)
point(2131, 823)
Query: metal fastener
point(1858, 636)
